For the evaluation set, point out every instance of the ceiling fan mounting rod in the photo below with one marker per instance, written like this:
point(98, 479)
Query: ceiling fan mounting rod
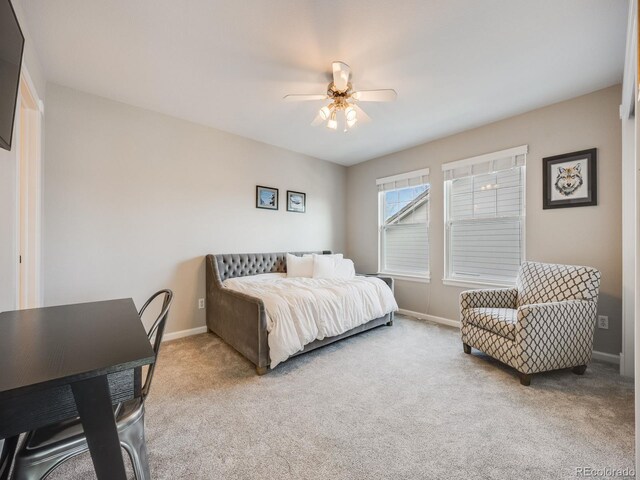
point(335, 93)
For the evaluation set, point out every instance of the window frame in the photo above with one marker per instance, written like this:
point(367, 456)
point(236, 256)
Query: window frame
point(397, 274)
point(475, 282)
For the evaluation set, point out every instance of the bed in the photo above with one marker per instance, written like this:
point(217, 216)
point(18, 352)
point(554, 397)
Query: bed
point(241, 319)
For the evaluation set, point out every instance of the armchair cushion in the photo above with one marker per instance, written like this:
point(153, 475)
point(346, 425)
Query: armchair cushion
point(501, 321)
point(546, 282)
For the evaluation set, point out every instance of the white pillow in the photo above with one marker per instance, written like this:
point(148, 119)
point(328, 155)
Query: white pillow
point(299, 266)
point(345, 268)
point(324, 266)
point(337, 256)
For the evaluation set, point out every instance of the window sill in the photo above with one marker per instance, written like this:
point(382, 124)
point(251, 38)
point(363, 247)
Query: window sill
point(456, 282)
point(407, 278)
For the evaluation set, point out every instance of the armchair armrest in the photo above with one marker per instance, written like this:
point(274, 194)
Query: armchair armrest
point(555, 335)
point(575, 314)
point(489, 298)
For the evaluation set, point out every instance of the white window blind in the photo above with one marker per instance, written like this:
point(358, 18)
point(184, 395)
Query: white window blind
point(403, 223)
point(485, 217)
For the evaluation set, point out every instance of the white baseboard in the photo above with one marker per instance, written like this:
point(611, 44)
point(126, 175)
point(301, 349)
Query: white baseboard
point(184, 333)
point(602, 356)
point(606, 357)
point(431, 318)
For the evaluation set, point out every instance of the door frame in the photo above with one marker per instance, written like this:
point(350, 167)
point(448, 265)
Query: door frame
point(28, 244)
point(630, 197)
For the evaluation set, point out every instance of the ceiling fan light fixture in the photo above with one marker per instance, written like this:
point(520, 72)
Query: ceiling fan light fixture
point(343, 111)
point(350, 114)
point(332, 123)
point(325, 112)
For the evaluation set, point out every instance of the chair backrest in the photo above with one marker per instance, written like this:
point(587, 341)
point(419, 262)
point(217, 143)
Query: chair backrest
point(550, 282)
point(156, 332)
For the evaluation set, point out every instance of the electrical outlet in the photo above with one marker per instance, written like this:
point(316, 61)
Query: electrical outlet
point(603, 322)
point(201, 303)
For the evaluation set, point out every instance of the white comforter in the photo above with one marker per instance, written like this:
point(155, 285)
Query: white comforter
point(301, 310)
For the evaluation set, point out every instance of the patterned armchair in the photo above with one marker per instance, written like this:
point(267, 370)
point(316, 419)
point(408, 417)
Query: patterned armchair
point(545, 323)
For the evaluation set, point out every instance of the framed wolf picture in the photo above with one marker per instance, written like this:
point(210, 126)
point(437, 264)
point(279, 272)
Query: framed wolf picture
point(570, 180)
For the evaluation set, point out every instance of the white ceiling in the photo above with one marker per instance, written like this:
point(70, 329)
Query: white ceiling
point(455, 64)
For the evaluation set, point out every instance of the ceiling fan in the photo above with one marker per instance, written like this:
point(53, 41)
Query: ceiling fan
point(343, 108)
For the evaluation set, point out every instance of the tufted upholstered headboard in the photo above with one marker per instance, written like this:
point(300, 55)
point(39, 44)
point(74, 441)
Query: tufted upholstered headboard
point(244, 264)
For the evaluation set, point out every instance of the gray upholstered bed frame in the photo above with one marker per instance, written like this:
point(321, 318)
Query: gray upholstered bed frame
point(240, 320)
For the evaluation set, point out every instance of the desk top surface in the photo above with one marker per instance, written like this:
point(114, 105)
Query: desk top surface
point(49, 346)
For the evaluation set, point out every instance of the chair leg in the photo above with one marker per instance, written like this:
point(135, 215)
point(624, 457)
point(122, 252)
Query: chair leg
point(133, 440)
point(525, 379)
point(579, 370)
point(8, 448)
point(262, 370)
point(466, 348)
point(37, 468)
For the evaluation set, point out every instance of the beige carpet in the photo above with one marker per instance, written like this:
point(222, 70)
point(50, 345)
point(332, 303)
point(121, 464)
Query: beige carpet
point(393, 403)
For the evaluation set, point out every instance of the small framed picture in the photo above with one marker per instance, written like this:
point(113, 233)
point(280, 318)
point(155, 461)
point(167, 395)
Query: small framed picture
point(570, 180)
point(296, 202)
point(266, 197)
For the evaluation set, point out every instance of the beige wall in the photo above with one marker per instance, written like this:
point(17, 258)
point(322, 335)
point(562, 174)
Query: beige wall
point(135, 199)
point(586, 235)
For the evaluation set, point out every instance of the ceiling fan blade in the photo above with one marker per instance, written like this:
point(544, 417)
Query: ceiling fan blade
point(317, 121)
point(360, 114)
point(341, 75)
point(385, 95)
point(303, 97)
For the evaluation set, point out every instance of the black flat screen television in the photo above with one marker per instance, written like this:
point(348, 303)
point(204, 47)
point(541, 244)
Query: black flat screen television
point(11, 48)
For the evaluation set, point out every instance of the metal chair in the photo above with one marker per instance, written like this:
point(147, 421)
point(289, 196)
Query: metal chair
point(7, 451)
point(46, 448)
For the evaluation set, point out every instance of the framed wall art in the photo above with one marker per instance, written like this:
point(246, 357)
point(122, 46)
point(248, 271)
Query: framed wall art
point(296, 202)
point(570, 180)
point(266, 197)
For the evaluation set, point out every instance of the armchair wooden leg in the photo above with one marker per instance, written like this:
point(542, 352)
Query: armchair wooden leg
point(466, 348)
point(262, 370)
point(525, 379)
point(579, 370)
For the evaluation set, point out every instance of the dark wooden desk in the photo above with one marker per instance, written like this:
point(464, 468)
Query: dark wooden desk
point(72, 360)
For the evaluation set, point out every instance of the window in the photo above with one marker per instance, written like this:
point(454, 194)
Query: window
point(403, 202)
point(485, 217)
